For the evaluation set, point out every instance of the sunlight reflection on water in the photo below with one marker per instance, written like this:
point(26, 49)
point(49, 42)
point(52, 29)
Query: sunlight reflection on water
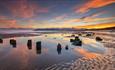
point(22, 57)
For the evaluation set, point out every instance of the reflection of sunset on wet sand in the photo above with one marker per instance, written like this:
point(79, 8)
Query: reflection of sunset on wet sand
point(86, 54)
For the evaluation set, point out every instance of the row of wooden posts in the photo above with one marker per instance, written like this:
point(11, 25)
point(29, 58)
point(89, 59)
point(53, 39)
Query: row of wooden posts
point(38, 45)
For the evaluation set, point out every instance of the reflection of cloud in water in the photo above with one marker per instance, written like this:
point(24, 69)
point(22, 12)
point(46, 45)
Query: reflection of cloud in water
point(86, 53)
point(45, 50)
point(88, 41)
point(92, 42)
point(93, 46)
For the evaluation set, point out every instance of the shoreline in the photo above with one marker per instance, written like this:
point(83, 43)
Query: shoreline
point(2, 36)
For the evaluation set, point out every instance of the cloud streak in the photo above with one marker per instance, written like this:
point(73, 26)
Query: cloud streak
point(24, 9)
point(8, 23)
point(93, 4)
point(88, 20)
point(61, 17)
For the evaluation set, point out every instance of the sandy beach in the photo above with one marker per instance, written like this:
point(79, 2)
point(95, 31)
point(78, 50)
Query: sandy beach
point(92, 61)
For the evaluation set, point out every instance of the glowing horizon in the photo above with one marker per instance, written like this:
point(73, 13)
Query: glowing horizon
point(97, 26)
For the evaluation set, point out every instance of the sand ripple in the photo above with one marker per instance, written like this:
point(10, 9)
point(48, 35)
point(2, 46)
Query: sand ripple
point(98, 63)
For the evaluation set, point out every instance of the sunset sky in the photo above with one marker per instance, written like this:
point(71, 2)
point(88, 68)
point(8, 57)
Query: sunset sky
point(57, 13)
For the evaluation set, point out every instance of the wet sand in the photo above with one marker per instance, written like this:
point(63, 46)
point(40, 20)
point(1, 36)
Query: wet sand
point(100, 62)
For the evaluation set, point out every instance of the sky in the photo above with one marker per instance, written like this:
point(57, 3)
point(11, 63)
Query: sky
point(57, 13)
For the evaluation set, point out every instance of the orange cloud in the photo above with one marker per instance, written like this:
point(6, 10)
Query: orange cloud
point(98, 14)
point(72, 21)
point(88, 19)
point(2, 17)
point(93, 4)
point(97, 26)
point(61, 17)
point(24, 9)
point(8, 23)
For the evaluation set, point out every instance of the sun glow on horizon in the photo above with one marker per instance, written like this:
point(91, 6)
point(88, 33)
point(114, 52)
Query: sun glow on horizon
point(97, 26)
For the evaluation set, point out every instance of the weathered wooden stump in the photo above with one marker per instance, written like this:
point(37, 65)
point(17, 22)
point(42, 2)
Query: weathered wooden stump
point(66, 47)
point(13, 43)
point(59, 48)
point(29, 44)
point(38, 47)
point(1, 40)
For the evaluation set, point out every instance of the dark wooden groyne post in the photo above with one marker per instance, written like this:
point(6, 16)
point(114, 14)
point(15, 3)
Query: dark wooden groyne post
point(59, 48)
point(29, 44)
point(13, 43)
point(1, 40)
point(66, 47)
point(38, 47)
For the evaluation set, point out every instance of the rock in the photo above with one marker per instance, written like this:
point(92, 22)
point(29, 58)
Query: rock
point(76, 41)
point(13, 43)
point(71, 40)
point(98, 39)
point(72, 35)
